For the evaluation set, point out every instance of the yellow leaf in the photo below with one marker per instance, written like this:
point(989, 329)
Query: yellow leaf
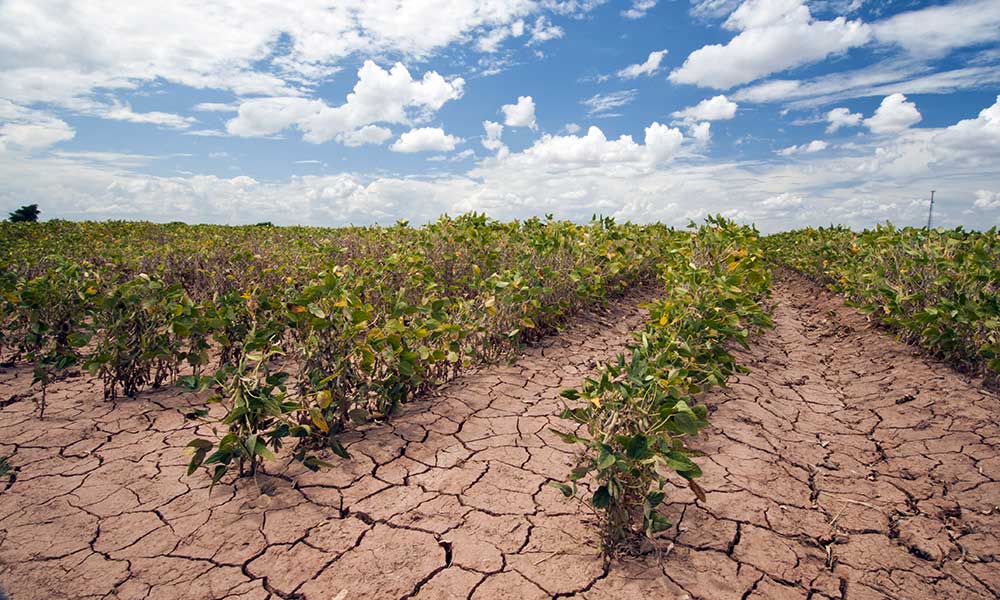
point(596, 402)
point(319, 421)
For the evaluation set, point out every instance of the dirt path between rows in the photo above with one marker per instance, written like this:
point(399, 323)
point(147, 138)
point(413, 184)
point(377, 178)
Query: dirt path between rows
point(846, 465)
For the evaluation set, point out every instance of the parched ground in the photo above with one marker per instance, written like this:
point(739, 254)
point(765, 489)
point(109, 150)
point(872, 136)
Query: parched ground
point(846, 465)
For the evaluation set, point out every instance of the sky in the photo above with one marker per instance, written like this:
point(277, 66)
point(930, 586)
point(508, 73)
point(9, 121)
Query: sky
point(782, 113)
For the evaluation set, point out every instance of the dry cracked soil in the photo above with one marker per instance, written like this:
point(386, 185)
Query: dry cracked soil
point(844, 465)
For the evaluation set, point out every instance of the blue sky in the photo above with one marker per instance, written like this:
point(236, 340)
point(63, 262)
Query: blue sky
point(784, 113)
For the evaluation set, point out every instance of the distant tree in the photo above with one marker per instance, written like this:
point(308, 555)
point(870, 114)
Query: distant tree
point(264, 224)
point(25, 214)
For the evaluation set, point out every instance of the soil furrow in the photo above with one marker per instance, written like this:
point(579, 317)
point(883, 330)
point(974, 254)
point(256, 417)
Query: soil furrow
point(844, 465)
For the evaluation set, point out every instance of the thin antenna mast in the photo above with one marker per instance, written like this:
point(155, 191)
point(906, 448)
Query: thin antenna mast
point(930, 211)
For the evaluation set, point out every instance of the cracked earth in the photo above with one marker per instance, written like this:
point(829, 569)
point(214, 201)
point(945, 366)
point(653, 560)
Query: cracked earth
point(845, 465)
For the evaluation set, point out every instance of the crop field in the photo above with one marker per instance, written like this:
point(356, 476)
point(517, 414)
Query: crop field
point(483, 409)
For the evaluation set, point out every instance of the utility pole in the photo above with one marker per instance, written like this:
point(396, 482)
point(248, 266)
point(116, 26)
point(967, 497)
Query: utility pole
point(930, 211)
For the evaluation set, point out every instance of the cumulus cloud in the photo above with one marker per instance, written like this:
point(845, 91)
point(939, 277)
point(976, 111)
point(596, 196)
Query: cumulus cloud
point(32, 136)
point(718, 108)
point(491, 141)
point(425, 139)
point(701, 133)
point(594, 148)
point(28, 129)
point(369, 134)
point(811, 147)
point(639, 9)
point(53, 52)
point(893, 115)
point(842, 117)
point(774, 35)
point(979, 136)
point(649, 67)
point(786, 200)
point(877, 178)
point(521, 114)
point(986, 199)
point(379, 96)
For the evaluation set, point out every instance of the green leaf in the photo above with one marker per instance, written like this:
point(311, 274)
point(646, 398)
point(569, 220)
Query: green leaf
point(337, 448)
point(602, 498)
point(605, 460)
point(562, 487)
point(569, 438)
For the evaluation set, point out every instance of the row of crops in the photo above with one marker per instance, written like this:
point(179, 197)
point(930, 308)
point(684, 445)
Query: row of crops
point(300, 332)
point(938, 288)
point(640, 410)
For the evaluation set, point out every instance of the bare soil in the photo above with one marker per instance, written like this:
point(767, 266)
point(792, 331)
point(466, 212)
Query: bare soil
point(845, 465)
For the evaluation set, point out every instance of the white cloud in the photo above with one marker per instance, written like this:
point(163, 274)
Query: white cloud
point(649, 67)
point(53, 51)
point(492, 41)
point(775, 35)
point(986, 199)
point(810, 148)
point(379, 96)
point(701, 133)
point(785, 200)
point(32, 136)
point(217, 107)
point(718, 108)
point(492, 139)
point(713, 9)
point(594, 148)
point(369, 134)
point(881, 79)
point(601, 105)
point(425, 139)
point(842, 117)
point(542, 30)
point(28, 129)
point(521, 114)
point(571, 128)
point(979, 136)
point(768, 91)
point(267, 116)
point(936, 30)
point(464, 155)
point(893, 115)
point(119, 159)
point(206, 133)
point(120, 111)
point(639, 9)
point(874, 179)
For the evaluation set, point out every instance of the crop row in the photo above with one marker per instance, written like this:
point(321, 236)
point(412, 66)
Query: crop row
point(635, 416)
point(938, 288)
point(300, 332)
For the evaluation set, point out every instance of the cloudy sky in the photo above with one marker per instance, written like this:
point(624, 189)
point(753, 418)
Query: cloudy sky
point(780, 112)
